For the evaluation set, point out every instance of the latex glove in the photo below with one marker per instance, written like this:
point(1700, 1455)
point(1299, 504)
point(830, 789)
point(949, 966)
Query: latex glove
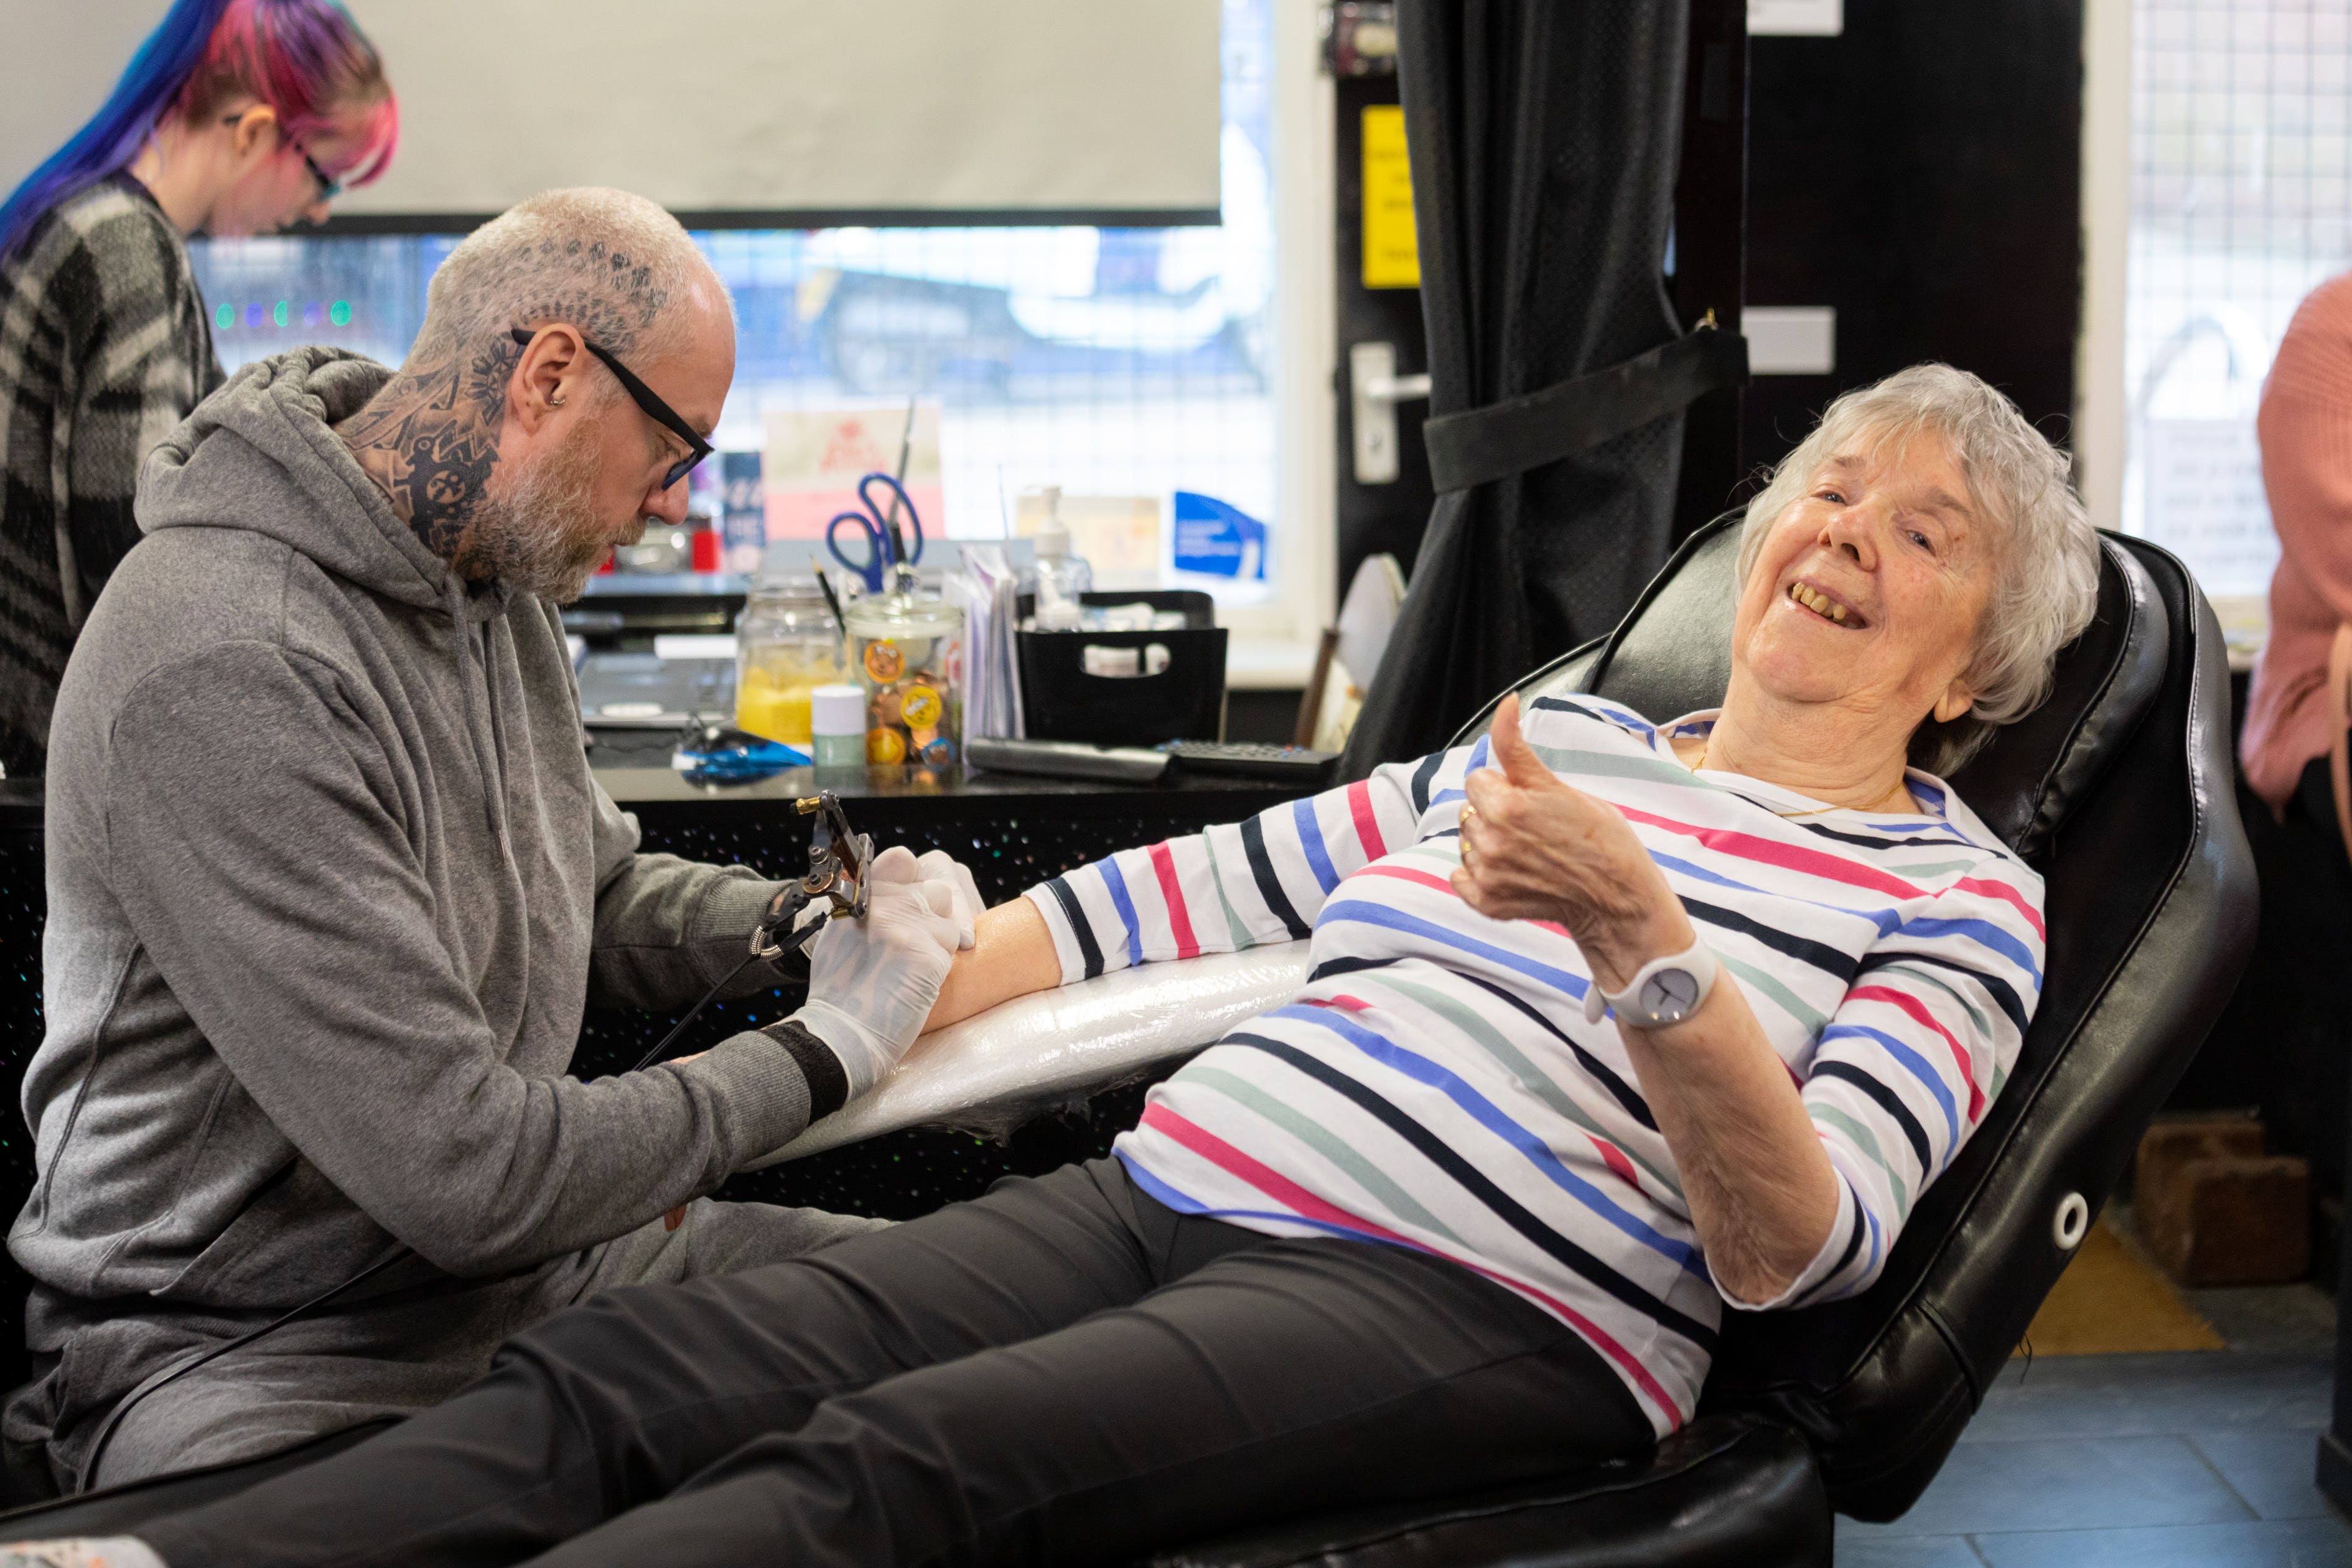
point(872, 981)
point(939, 863)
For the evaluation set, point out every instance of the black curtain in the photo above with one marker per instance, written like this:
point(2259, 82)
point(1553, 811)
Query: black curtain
point(1545, 139)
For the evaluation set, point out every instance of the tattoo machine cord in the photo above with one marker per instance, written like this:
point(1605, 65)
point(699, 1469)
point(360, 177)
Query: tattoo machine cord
point(837, 862)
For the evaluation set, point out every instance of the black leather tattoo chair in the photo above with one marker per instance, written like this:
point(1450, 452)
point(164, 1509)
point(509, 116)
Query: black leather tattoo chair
point(2119, 790)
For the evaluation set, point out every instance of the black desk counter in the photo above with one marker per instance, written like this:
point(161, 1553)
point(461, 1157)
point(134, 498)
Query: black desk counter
point(1011, 830)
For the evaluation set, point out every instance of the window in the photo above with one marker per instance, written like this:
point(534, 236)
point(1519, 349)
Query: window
point(1111, 362)
point(2241, 202)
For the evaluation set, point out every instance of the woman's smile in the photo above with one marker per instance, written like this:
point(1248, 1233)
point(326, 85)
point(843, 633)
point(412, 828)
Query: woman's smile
point(1810, 599)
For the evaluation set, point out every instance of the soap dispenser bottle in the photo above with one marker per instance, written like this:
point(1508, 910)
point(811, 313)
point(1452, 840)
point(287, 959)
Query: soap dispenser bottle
point(1060, 576)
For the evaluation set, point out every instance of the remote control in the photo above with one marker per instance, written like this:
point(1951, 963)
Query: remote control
point(1253, 760)
point(1067, 760)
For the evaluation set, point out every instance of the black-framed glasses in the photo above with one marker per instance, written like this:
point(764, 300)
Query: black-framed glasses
point(660, 413)
point(329, 187)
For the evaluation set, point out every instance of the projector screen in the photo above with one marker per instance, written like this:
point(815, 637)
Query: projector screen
point(745, 110)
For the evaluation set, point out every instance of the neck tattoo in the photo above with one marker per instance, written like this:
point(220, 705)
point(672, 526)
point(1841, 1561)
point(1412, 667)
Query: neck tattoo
point(429, 440)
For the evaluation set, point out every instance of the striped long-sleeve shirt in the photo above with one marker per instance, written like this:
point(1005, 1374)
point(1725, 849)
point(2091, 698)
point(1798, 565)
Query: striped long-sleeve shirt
point(1435, 1085)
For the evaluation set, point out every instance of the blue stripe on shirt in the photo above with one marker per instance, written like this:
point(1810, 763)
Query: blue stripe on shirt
point(1420, 1068)
point(1310, 841)
point(1886, 921)
point(1984, 934)
point(1413, 925)
point(1913, 1061)
point(1117, 883)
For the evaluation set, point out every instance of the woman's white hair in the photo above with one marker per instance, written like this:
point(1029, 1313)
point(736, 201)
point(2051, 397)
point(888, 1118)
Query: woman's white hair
point(613, 264)
point(2045, 556)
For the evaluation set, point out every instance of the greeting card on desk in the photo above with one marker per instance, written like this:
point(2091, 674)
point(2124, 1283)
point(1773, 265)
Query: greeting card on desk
point(817, 456)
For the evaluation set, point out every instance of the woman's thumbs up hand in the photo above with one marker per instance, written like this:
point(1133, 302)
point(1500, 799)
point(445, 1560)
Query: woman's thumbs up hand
point(1535, 848)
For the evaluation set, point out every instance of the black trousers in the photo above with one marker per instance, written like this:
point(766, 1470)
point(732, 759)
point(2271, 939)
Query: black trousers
point(1063, 1371)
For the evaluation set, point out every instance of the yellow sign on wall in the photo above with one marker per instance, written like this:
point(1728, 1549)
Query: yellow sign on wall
point(1391, 259)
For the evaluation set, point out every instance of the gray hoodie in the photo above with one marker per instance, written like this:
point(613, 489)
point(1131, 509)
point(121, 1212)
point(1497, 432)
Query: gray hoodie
point(329, 884)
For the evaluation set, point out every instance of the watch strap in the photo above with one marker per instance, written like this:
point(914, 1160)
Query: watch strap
point(1696, 960)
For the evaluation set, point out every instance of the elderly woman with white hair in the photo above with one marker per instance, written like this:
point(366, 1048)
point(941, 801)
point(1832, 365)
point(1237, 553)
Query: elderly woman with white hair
point(1614, 1020)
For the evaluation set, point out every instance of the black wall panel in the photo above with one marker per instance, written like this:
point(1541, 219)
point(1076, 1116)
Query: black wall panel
point(1921, 174)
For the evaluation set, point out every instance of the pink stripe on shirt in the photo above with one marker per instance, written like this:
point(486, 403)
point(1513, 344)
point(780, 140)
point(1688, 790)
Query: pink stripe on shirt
point(1407, 874)
point(1917, 1012)
point(2007, 895)
point(1172, 893)
point(1367, 824)
point(1789, 857)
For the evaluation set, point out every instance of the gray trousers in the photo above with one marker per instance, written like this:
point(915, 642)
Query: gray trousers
point(407, 1350)
point(1063, 1372)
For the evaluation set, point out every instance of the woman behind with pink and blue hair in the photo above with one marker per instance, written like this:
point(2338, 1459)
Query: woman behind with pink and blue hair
point(236, 117)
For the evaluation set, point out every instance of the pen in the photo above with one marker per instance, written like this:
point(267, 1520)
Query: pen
point(831, 600)
point(906, 445)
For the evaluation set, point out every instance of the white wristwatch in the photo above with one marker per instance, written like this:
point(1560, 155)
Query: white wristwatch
point(1663, 991)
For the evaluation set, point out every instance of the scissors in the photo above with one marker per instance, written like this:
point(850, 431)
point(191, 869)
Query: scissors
point(883, 547)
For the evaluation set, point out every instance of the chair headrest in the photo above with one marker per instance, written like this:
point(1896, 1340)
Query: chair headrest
point(1672, 655)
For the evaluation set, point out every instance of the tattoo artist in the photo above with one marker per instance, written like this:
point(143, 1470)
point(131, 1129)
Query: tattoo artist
point(330, 883)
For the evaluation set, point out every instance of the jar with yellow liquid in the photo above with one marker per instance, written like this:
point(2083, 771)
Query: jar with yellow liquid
point(787, 643)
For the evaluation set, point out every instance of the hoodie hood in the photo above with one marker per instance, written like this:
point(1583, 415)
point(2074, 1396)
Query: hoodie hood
point(260, 453)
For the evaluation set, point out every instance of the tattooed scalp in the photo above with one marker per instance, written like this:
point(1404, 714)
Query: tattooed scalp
point(612, 264)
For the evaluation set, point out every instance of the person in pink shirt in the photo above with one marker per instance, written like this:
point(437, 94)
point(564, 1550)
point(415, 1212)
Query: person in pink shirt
point(2280, 1043)
point(2306, 437)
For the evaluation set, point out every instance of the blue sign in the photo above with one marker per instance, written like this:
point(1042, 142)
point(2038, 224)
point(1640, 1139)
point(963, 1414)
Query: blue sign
point(1217, 539)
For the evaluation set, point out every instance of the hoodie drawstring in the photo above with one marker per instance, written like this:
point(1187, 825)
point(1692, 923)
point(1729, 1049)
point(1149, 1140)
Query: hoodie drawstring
point(493, 776)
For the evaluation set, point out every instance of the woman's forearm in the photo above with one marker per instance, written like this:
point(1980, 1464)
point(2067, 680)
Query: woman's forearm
point(1012, 954)
point(1761, 1191)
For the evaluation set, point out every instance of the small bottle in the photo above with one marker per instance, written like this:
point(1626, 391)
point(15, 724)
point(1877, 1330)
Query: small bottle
point(837, 716)
point(1060, 576)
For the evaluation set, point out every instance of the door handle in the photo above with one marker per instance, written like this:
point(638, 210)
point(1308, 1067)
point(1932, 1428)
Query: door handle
point(1374, 389)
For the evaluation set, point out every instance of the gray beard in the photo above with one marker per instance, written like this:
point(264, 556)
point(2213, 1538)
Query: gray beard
point(529, 539)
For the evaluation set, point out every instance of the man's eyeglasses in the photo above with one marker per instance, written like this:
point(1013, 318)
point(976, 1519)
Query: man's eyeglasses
point(660, 413)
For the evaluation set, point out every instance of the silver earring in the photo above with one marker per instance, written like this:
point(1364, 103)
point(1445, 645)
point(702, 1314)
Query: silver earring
point(555, 400)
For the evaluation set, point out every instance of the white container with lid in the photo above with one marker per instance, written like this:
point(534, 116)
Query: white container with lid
point(837, 715)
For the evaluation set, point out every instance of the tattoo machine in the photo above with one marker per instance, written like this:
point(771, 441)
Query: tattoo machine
point(838, 860)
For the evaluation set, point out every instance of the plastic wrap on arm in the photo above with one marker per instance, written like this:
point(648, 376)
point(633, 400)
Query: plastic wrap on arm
point(993, 1071)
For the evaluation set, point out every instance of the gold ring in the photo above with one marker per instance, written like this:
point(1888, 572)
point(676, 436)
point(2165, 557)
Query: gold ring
point(1467, 813)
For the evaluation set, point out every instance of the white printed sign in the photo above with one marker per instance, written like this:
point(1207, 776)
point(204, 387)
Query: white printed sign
point(2204, 501)
point(1796, 19)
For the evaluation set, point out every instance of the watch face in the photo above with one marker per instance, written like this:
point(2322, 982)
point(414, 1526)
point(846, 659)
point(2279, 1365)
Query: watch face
point(1670, 993)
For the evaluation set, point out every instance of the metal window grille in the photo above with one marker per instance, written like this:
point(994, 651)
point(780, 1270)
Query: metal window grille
point(2241, 202)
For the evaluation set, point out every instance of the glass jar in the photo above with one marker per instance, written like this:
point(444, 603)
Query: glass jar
point(787, 643)
point(907, 652)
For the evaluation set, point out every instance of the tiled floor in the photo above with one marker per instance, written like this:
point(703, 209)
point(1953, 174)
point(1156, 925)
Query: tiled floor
point(2202, 1460)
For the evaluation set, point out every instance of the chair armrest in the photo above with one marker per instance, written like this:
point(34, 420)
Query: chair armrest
point(996, 1070)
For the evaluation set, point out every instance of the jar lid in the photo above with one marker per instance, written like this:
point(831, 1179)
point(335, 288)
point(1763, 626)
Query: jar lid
point(786, 586)
point(837, 710)
point(902, 615)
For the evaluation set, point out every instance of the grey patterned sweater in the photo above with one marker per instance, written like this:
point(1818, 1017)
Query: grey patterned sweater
point(104, 349)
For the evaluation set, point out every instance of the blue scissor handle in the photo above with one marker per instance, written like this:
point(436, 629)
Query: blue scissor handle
point(878, 548)
point(906, 504)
